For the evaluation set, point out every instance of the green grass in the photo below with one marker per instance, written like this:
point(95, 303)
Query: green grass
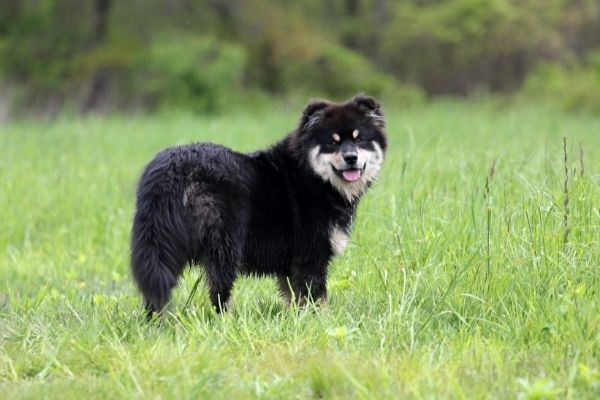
point(446, 290)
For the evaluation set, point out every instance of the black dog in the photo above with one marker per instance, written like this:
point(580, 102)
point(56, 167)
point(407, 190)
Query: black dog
point(285, 211)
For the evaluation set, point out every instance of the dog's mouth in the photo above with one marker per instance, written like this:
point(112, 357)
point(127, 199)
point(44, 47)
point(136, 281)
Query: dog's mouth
point(349, 174)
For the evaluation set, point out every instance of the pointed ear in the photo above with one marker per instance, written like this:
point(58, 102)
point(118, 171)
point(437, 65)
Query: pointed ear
point(312, 113)
point(371, 109)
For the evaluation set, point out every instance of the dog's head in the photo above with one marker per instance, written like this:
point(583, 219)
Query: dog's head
point(344, 143)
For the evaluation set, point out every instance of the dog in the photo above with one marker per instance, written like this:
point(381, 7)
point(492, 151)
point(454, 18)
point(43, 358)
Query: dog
point(283, 212)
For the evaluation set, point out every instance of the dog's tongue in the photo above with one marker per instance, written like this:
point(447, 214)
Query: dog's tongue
point(351, 175)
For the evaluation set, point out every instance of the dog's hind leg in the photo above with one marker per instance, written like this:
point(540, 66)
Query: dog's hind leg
point(225, 247)
point(218, 228)
point(224, 254)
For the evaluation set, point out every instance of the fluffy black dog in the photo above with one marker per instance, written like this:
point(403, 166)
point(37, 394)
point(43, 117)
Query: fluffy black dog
point(285, 211)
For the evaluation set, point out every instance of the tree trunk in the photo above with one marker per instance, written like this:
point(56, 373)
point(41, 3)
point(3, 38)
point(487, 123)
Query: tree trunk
point(9, 12)
point(100, 21)
point(351, 36)
point(100, 80)
point(352, 7)
point(380, 19)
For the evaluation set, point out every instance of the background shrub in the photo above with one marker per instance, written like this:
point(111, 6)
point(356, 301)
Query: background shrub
point(190, 71)
point(574, 87)
point(108, 55)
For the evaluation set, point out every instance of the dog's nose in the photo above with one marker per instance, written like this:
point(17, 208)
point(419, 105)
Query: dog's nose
point(350, 158)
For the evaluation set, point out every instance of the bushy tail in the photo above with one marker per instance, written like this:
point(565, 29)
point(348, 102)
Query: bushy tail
point(157, 250)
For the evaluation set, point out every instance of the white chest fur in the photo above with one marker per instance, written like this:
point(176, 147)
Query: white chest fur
point(338, 239)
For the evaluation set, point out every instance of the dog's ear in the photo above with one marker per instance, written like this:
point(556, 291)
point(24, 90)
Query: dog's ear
point(312, 113)
point(370, 108)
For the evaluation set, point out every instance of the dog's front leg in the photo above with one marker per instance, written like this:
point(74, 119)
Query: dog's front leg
point(306, 282)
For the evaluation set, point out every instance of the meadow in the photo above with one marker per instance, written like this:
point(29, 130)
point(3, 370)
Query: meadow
point(473, 269)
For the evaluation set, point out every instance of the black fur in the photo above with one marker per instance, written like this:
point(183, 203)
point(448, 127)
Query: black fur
point(265, 213)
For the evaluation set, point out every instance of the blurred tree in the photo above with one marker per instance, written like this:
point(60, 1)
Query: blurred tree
point(381, 9)
point(100, 21)
point(352, 34)
point(9, 11)
point(99, 82)
point(92, 53)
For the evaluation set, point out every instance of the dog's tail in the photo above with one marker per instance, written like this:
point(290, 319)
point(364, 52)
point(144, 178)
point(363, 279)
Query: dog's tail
point(159, 244)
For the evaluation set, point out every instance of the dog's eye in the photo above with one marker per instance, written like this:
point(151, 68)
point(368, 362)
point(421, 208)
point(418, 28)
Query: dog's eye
point(335, 138)
point(334, 143)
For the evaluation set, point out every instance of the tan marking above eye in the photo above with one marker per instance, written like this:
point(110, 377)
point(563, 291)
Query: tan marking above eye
point(336, 137)
point(355, 133)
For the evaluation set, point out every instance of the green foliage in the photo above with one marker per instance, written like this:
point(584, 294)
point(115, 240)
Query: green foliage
point(53, 51)
point(464, 45)
point(343, 72)
point(328, 69)
point(573, 87)
point(40, 43)
point(114, 56)
point(190, 71)
point(420, 306)
point(340, 72)
point(304, 60)
point(286, 54)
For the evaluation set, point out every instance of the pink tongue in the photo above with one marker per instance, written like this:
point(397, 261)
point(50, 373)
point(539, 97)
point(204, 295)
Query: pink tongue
point(351, 175)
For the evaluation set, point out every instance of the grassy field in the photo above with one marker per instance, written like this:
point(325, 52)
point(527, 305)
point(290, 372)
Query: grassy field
point(469, 275)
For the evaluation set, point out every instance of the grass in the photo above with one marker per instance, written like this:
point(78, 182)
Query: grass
point(458, 282)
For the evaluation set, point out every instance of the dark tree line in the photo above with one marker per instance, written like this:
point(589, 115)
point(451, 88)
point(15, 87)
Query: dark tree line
point(105, 52)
